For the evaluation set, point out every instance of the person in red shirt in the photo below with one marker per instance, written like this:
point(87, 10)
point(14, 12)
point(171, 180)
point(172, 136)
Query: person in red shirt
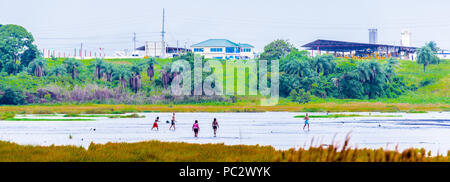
point(155, 124)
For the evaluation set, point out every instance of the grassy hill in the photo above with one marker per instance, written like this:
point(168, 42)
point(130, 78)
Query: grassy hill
point(432, 94)
point(433, 85)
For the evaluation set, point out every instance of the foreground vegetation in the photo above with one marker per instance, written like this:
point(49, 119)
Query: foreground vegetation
point(155, 151)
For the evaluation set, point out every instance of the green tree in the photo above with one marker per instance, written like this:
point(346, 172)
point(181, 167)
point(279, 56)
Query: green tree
point(300, 67)
point(390, 68)
point(16, 48)
point(301, 96)
point(135, 79)
point(99, 65)
point(73, 67)
point(38, 66)
point(150, 62)
point(166, 75)
point(122, 74)
point(426, 56)
point(11, 96)
point(59, 70)
point(297, 72)
point(373, 76)
point(276, 50)
point(109, 70)
point(433, 46)
point(324, 64)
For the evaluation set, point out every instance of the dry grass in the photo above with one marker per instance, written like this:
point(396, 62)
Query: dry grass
point(312, 107)
point(155, 151)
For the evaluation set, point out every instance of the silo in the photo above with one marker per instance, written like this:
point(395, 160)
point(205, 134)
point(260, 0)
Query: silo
point(373, 36)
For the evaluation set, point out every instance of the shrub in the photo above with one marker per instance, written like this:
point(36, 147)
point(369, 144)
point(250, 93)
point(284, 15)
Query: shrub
point(11, 96)
point(427, 81)
point(43, 112)
point(7, 115)
point(301, 96)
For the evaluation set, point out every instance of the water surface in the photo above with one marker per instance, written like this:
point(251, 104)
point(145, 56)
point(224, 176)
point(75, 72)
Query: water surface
point(278, 129)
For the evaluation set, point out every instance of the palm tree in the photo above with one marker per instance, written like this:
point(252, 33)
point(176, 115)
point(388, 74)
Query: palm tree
point(166, 75)
point(433, 46)
point(324, 64)
point(389, 68)
point(37, 66)
point(426, 56)
point(57, 71)
point(122, 73)
point(109, 70)
point(150, 62)
point(371, 73)
point(99, 65)
point(300, 67)
point(72, 66)
point(135, 79)
point(363, 72)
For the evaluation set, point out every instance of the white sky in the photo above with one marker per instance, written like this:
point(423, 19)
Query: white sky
point(63, 25)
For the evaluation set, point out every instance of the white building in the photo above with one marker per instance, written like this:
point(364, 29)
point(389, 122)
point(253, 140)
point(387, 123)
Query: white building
point(157, 49)
point(443, 54)
point(223, 49)
point(406, 38)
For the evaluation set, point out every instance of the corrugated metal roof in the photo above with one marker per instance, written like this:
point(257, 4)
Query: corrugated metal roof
point(216, 43)
point(245, 45)
point(333, 45)
point(219, 43)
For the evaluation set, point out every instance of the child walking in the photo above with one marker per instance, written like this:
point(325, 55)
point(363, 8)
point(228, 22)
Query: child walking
point(215, 125)
point(155, 124)
point(195, 128)
point(306, 121)
point(172, 124)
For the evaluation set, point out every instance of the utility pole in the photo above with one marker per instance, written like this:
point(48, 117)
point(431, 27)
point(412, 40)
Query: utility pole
point(134, 41)
point(163, 47)
point(81, 51)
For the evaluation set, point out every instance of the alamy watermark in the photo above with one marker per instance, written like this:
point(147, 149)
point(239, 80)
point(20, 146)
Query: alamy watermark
point(213, 84)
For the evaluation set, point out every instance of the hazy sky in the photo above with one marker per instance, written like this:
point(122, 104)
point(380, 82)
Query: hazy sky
point(63, 24)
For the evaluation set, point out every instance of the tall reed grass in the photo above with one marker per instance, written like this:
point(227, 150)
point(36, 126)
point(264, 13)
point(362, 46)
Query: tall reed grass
point(156, 151)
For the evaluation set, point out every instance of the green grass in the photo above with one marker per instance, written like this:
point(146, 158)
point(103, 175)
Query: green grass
point(41, 119)
point(436, 92)
point(88, 116)
point(104, 116)
point(414, 111)
point(7, 115)
point(44, 115)
point(127, 116)
point(345, 116)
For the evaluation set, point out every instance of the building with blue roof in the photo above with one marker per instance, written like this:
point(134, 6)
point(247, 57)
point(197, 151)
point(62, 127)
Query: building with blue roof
point(223, 49)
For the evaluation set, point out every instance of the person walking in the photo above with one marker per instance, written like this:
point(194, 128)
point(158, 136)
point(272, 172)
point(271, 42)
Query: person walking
point(306, 121)
point(215, 125)
point(195, 128)
point(172, 124)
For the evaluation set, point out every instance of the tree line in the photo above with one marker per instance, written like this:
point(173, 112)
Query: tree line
point(301, 76)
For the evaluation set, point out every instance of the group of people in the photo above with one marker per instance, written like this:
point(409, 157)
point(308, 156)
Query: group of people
point(195, 126)
point(215, 124)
